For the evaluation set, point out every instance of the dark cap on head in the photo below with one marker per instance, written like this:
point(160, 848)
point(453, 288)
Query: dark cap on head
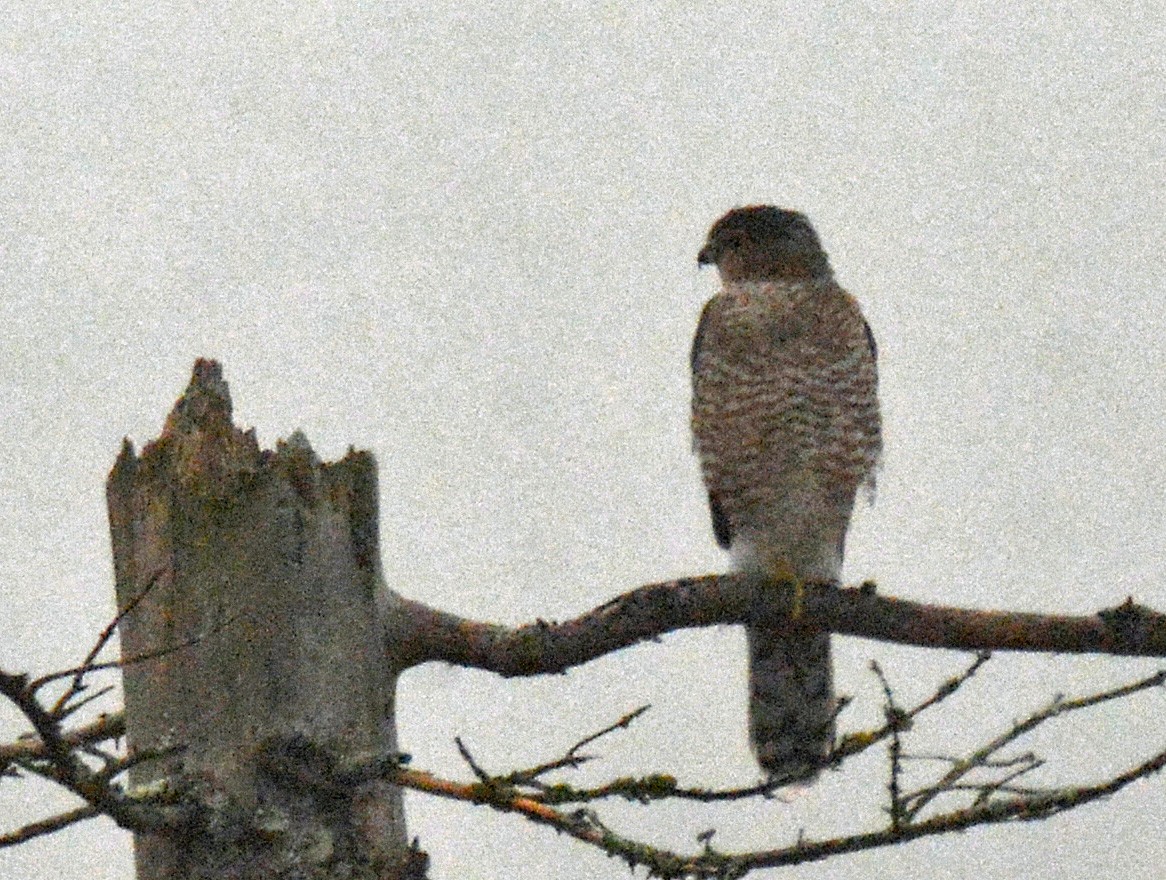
point(761, 242)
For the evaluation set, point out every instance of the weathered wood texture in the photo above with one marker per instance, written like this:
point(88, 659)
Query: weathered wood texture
point(259, 571)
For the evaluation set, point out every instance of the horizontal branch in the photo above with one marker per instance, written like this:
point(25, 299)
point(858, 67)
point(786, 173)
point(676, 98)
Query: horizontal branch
point(416, 633)
point(1013, 809)
point(585, 825)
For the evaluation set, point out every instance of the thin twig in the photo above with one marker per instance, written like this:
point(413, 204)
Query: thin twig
point(897, 722)
point(63, 711)
point(64, 767)
point(102, 728)
point(49, 825)
point(482, 775)
point(143, 657)
point(981, 756)
point(855, 743)
point(622, 724)
point(571, 758)
point(79, 672)
point(659, 786)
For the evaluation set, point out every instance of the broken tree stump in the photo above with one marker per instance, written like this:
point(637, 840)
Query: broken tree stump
point(248, 580)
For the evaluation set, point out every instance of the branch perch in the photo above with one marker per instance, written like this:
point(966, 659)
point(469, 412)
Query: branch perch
point(417, 633)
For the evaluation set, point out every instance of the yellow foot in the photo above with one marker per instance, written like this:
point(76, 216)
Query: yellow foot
point(783, 574)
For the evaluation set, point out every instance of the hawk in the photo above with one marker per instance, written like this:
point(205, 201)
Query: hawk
point(785, 421)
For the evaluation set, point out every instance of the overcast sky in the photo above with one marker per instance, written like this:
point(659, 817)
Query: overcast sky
point(465, 239)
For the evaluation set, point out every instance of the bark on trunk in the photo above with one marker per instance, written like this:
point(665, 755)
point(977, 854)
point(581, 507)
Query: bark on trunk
point(256, 581)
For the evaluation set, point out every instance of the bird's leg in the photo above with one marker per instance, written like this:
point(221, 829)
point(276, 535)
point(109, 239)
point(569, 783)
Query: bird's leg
point(784, 573)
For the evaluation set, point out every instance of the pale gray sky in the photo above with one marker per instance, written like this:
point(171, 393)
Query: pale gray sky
point(465, 239)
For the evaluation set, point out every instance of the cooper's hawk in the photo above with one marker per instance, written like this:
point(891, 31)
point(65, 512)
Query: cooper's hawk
point(785, 419)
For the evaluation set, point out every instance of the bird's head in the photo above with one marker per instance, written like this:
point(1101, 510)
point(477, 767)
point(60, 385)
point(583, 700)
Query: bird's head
point(764, 243)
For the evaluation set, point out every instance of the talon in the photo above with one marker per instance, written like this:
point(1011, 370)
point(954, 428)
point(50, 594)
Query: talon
point(784, 574)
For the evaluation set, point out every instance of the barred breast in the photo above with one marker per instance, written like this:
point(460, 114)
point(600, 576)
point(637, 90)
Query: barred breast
point(785, 421)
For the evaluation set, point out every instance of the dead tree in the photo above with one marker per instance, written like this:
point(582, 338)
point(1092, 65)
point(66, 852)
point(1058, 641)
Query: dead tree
point(254, 670)
point(260, 651)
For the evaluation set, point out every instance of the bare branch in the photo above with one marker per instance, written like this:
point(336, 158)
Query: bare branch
point(993, 812)
point(79, 673)
point(48, 826)
point(417, 633)
point(897, 722)
point(105, 727)
point(482, 775)
point(986, 754)
point(659, 786)
point(853, 743)
point(62, 765)
point(89, 666)
point(584, 825)
point(622, 724)
point(571, 758)
point(580, 824)
point(62, 710)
